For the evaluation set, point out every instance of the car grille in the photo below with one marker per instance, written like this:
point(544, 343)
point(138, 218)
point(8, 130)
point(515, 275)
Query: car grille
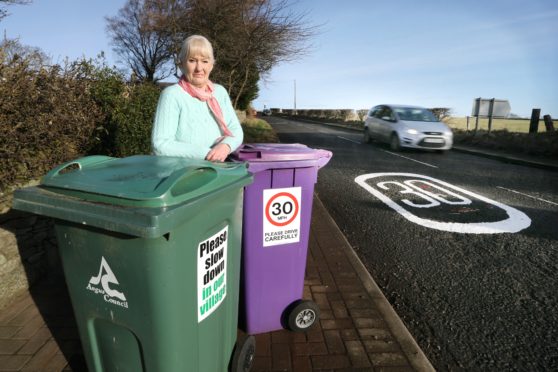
point(433, 133)
point(425, 143)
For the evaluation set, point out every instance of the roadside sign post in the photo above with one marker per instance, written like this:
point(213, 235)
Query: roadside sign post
point(490, 114)
point(476, 113)
point(490, 108)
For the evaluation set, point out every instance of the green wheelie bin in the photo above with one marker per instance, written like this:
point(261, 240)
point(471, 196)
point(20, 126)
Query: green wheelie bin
point(150, 248)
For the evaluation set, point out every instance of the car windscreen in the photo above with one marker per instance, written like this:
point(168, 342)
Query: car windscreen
point(414, 114)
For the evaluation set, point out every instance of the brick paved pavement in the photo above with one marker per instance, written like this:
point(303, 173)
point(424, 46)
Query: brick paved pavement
point(358, 329)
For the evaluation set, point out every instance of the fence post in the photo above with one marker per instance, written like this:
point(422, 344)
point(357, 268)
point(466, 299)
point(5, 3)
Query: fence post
point(548, 123)
point(467, 123)
point(534, 124)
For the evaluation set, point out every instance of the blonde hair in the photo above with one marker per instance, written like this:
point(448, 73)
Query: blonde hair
point(195, 44)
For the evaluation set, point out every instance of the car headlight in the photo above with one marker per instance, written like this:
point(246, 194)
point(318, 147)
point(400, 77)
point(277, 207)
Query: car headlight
point(412, 131)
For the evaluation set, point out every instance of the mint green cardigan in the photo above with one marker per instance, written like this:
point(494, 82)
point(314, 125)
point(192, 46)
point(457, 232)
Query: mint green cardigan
point(185, 127)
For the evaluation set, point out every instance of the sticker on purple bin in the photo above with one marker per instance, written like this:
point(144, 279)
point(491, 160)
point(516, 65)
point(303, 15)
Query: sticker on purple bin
point(281, 216)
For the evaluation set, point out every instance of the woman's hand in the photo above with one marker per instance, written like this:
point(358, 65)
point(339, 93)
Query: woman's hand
point(218, 152)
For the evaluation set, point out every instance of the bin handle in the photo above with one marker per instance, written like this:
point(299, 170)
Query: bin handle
point(250, 148)
point(325, 157)
point(180, 183)
point(82, 162)
point(229, 164)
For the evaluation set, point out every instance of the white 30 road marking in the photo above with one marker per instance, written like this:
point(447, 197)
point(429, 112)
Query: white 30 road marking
point(515, 222)
point(404, 157)
point(350, 140)
point(529, 196)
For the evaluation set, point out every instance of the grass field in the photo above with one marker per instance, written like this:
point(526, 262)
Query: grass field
point(511, 125)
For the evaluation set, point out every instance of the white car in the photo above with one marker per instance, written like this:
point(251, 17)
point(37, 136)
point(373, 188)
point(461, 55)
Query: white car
point(407, 126)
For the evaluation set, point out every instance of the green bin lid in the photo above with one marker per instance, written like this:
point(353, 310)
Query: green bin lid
point(142, 180)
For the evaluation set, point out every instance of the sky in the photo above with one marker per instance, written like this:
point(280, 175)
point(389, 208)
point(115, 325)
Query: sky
point(430, 53)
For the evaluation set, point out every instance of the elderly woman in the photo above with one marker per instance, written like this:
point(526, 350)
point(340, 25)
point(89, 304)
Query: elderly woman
point(195, 118)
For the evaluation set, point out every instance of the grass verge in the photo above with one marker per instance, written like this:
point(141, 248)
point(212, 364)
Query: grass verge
point(258, 131)
point(543, 144)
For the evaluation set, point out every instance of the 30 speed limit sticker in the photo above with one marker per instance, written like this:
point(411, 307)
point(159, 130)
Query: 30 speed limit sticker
point(281, 216)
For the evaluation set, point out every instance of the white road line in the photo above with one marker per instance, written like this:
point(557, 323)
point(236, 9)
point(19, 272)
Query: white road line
point(401, 156)
point(350, 140)
point(529, 196)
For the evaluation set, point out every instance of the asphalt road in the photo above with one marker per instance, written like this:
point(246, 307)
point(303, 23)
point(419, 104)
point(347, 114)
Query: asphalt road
point(468, 257)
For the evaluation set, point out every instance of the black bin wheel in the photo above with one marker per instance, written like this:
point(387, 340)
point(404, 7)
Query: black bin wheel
point(304, 314)
point(243, 355)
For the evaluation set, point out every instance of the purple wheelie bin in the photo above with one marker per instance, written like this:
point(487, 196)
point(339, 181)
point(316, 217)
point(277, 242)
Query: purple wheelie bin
point(277, 214)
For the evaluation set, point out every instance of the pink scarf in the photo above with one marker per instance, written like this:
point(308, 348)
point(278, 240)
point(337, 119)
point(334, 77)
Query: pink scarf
point(206, 95)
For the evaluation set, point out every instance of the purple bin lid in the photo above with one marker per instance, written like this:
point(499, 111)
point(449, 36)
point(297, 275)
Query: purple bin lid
point(282, 155)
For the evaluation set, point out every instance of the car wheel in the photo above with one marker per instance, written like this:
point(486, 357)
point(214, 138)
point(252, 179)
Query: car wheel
point(394, 142)
point(367, 138)
point(441, 151)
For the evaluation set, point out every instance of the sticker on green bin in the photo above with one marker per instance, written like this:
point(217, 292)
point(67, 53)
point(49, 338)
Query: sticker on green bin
point(104, 278)
point(212, 273)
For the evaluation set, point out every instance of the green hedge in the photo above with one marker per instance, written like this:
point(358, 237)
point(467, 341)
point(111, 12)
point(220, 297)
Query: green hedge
point(60, 113)
point(46, 117)
point(129, 121)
